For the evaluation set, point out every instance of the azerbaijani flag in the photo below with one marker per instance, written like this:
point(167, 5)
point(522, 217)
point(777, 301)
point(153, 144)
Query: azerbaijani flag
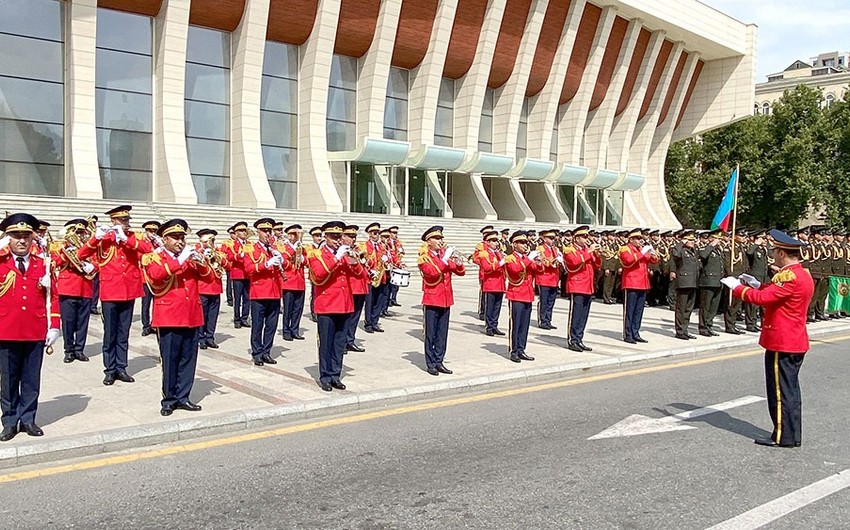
point(727, 205)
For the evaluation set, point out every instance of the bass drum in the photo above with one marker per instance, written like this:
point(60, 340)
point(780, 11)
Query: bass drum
point(400, 277)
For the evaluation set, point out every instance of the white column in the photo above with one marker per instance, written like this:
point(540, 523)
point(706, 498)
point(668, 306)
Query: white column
point(600, 120)
point(316, 190)
point(425, 79)
point(470, 89)
point(80, 45)
point(541, 119)
point(374, 71)
point(571, 130)
point(172, 179)
point(510, 96)
point(249, 184)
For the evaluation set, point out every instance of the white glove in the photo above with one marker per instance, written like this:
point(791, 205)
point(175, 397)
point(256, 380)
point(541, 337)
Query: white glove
point(184, 255)
point(646, 249)
point(88, 268)
point(750, 280)
point(273, 262)
point(730, 282)
point(502, 262)
point(52, 335)
point(448, 254)
point(384, 258)
point(341, 251)
point(4, 242)
point(45, 281)
point(533, 255)
point(42, 241)
point(207, 252)
point(560, 259)
point(120, 236)
point(101, 232)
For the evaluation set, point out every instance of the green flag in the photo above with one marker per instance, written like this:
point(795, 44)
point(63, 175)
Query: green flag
point(839, 294)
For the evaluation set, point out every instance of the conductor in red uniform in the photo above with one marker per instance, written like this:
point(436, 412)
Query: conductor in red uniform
point(783, 335)
point(437, 266)
point(582, 261)
point(25, 326)
point(634, 257)
point(173, 275)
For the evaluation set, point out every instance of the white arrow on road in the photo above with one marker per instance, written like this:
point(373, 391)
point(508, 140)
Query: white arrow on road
point(637, 424)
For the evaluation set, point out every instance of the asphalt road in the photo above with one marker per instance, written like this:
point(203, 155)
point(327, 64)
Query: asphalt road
point(517, 461)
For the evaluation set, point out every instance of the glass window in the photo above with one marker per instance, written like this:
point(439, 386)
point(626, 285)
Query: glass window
point(280, 60)
point(207, 120)
point(278, 129)
point(395, 115)
point(123, 71)
point(41, 19)
point(279, 122)
point(30, 99)
point(395, 107)
point(280, 163)
point(444, 121)
point(212, 190)
point(485, 130)
point(553, 144)
point(118, 149)
point(342, 104)
point(614, 207)
point(344, 72)
point(207, 83)
point(123, 184)
point(341, 136)
point(279, 94)
point(398, 85)
point(285, 194)
point(32, 179)
point(33, 58)
point(208, 46)
point(522, 130)
point(22, 141)
point(123, 110)
point(209, 157)
point(118, 30)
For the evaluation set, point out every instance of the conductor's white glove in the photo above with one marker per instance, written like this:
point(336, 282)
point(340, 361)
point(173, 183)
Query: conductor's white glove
point(52, 335)
point(341, 251)
point(750, 280)
point(646, 249)
point(533, 255)
point(448, 254)
point(273, 262)
point(120, 236)
point(730, 281)
point(88, 268)
point(185, 254)
point(101, 232)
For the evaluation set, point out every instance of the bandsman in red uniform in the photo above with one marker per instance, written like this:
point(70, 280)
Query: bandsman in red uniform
point(582, 260)
point(521, 267)
point(491, 272)
point(330, 268)
point(547, 280)
point(398, 251)
point(315, 244)
point(75, 287)
point(481, 297)
point(117, 253)
point(209, 286)
point(784, 336)
point(437, 266)
point(393, 263)
point(238, 276)
point(359, 283)
point(378, 260)
point(635, 258)
point(228, 286)
point(265, 268)
point(173, 274)
point(151, 229)
point(29, 322)
point(294, 286)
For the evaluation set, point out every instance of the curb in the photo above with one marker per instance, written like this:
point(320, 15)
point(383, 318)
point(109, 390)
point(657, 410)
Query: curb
point(190, 428)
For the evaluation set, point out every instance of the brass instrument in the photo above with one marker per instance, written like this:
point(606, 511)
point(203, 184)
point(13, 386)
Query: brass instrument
point(72, 240)
point(377, 273)
point(299, 254)
point(213, 260)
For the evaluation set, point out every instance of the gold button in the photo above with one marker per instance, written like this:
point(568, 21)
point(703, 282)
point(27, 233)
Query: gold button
point(23, 298)
point(23, 308)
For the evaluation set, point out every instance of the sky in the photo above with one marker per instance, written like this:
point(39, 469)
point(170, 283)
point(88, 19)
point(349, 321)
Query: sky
point(791, 29)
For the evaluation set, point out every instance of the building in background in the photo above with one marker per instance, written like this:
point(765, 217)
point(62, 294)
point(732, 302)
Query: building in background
point(829, 72)
point(557, 111)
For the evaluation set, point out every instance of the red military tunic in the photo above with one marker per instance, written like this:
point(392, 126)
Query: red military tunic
point(359, 281)
point(233, 249)
point(120, 275)
point(266, 284)
point(786, 301)
point(520, 272)
point(374, 254)
point(330, 277)
point(210, 285)
point(177, 300)
point(549, 276)
point(294, 275)
point(490, 270)
point(23, 302)
point(437, 279)
point(71, 282)
point(581, 265)
point(635, 271)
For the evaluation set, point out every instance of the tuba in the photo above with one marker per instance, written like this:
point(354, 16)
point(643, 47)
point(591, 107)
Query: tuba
point(72, 240)
point(214, 258)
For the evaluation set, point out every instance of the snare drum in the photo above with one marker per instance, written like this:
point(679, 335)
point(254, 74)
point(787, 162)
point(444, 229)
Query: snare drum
point(400, 277)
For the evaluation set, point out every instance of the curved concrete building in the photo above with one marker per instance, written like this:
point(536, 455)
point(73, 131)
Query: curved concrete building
point(558, 111)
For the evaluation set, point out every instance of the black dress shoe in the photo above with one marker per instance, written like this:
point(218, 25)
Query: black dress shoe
point(368, 329)
point(298, 337)
point(499, 332)
point(326, 387)
point(752, 329)
point(95, 311)
point(354, 347)
point(191, 407)
point(202, 345)
point(714, 333)
point(166, 411)
point(682, 337)
point(552, 327)
point(268, 359)
point(544, 326)
point(32, 429)
point(691, 336)
point(706, 333)
point(258, 362)
point(379, 329)
point(287, 338)
point(8, 433)
point(69, 358)
point(212, 344)
point(338, 385)
point(515, 359)
point(109, 379)
point(585, 348)
point(630, 341)
point(443, 370)
point(433, 371)
point(525, 357)
point(124, 377)
point(770, 443)
point(575, 347)
point(734, 331)
point(641, 339)
point(146, 332)
point(80, 356)
point(246, 324)
point(489, 333)
point(385, 314)
point(237, 325)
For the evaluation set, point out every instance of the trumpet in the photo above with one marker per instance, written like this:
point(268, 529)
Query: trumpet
point(457, 256)
point(69, 249)
point(276, 253)
point(212, 257)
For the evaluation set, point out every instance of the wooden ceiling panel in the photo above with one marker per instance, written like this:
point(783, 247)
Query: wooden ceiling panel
point(655, 78)
point(547, 45)
point(217, 14)
point(634, 69)
point(464, 41)
point(414, 32)
point(510, 37)
point(609, 61)
point(691, 87)
point(141, 7)
point(291, 21)
point(356, 28)
point(674, 87)
point(581, 51)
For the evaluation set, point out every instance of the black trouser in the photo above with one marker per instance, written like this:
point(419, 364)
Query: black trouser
point(95, 296)
point(147, 300)
point(377, 302)
point(20, 380)
point(228, 290)
point(436, 334)
point(178, 348)
point(354, 319)
point(264, 315)
point(577, 320)
point(708, 305)
point(733, 309)
point(393, 298)
point(211, 304)
point(293, 308)
point(784, 401)
point(241, 300)
point(117, 319)
point(520, 318)
point(481, 315)
point(546, 305)
point(821, 292)
point(633, 306)
point(671, 294)
point(332, 333)
point(685, 300)
point(76, 313)
point(492, 310)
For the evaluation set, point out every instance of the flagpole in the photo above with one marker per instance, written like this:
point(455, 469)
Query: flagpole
point(734, 221)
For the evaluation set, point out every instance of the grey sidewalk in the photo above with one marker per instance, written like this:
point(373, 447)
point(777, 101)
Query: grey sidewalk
point(81, 417)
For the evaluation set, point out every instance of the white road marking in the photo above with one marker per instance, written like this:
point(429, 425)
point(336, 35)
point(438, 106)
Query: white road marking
point(775, 509)
point(637, 424)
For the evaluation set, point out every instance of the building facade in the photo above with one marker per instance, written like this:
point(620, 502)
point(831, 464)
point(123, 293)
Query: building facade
point(558, 111)
point(829, 72)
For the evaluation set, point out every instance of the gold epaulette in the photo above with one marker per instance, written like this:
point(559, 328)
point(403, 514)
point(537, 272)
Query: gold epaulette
point(784, 276)
point(483, 254)
point(624, 248)
point(248, 248)
point(540, 248)
point(569, 249)
point(424, 258)
point(227, 243)
point(423, 248)
point(310, 252)
point(479, 246)
point(56, 246)
point(510, 258)
point(150, 257)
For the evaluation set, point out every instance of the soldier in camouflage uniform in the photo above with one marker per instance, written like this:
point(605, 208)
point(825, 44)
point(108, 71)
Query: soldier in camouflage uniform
point(736, 266)
point(710, 288)
point(757, 257)
point(610, 267)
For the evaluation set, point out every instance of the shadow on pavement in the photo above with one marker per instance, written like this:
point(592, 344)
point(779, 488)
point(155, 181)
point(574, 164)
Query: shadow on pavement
point(141, 363)
point(416, 358)
point(721, 420)
point(203, 388)
point(500, 349)
point(61, 407)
